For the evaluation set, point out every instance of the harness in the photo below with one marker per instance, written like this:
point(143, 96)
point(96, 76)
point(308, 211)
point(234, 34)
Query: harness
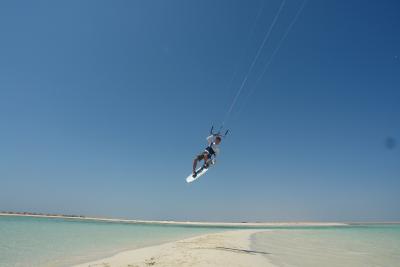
point(210, 150)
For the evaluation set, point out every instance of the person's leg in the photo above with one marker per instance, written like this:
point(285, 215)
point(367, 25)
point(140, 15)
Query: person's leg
point(206, 157)
point(198, 158)
point(194, 165)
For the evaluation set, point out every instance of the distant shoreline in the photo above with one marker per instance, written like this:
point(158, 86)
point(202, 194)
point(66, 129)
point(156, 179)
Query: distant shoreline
point(233, 224)
point(189, 223)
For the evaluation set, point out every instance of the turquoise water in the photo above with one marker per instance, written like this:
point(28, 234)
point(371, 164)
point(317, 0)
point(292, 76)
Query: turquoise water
point(30, 241)
point(354, 246)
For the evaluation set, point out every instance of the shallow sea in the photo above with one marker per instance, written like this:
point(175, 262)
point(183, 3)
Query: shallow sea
point(33, 241)
point(353, 246)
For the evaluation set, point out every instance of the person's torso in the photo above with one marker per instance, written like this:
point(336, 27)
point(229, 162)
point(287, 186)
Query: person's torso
point(214, 148)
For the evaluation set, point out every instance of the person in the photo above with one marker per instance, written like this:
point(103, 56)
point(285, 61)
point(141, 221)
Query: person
point(211, 151)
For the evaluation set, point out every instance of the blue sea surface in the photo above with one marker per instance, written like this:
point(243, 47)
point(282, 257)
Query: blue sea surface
point(33, 241)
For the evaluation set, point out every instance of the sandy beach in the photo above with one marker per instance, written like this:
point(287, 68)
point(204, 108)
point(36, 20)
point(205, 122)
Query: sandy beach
point(231, 248)
point(267, 248)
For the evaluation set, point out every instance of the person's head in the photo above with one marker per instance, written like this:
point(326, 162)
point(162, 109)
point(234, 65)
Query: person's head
point(218, 139)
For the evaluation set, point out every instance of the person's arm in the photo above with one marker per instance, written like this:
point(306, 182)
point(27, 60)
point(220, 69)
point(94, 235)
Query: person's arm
point(214, 160)
point(210, 139)
point(216, 150)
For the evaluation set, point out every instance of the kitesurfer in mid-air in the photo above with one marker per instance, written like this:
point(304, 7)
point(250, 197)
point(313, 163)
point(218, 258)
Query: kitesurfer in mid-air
point(211, 151)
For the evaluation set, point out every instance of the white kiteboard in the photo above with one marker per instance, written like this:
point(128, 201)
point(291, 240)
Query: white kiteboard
point(200, 171)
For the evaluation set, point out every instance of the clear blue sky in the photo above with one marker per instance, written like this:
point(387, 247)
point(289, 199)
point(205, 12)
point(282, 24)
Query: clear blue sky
point(103, 105)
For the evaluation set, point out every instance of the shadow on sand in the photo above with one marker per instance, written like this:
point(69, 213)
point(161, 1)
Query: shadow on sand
point(242, 250)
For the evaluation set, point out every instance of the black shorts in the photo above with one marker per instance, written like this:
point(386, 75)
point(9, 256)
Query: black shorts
point(202, 155)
